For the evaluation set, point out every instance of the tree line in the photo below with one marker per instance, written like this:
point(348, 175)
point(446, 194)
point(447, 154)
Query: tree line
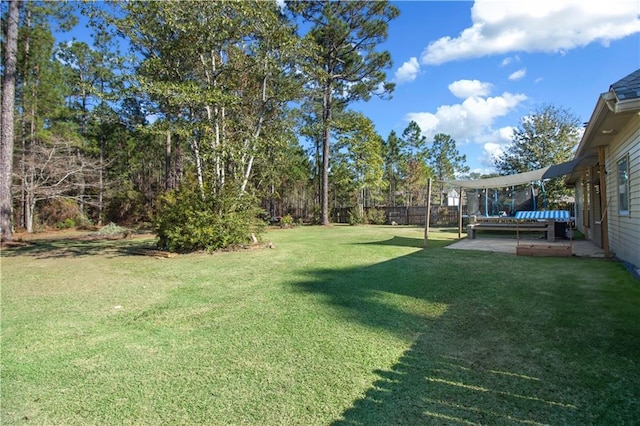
point(202, 117)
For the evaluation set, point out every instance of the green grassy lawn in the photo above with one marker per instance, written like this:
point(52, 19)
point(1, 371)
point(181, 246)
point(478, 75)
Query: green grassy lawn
point(337, 325)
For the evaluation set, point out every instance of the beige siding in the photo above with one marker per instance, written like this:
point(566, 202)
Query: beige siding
point(624, 231)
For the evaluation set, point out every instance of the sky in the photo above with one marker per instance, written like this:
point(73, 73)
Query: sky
point(473, 70)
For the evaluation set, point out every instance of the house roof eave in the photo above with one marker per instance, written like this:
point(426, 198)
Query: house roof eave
point(609, 116)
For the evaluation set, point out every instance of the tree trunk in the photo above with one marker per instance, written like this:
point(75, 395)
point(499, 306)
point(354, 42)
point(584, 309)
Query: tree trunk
point(29, 207)
point(23, 133)
point(8, 102)
point(168, 184)
point(101, 180)
point(199, 172)
point(326, 138)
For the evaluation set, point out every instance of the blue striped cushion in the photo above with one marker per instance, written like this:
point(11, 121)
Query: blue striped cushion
point(547, 214)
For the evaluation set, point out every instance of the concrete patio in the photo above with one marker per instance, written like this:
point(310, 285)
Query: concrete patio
point(580, 248)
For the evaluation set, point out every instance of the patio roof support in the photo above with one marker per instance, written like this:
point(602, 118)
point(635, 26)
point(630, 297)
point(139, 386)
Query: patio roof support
point(604, 205)
point(585, 205)
point(460, 214)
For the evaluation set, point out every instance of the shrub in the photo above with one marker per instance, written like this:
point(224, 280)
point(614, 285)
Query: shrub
point(286, 221)
point(83, 222)
point(66, 224)
point(188, 222)
point(376, 216)
point(112, 229)
point(57, 211)
point(355, 218)
point(128, 206)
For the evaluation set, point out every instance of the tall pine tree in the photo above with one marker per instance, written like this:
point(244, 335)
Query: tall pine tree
point(342, 63)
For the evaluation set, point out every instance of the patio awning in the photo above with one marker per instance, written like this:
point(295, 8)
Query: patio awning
point(519, 178)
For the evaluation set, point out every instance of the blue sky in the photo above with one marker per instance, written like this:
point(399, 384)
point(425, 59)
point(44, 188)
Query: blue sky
point(474, 69)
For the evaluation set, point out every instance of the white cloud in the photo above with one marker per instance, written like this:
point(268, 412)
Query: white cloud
point(490, 152)
point(469, 121)
point(408, 71)
point(494, 144)
point(517, 75)
point(468, 88)
point(510, 59)
point(501, 27)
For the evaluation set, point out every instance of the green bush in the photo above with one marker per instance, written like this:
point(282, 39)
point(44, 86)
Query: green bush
point(57, 212)
point(355, 218)
point(376, 216)
point(83, 222)
point(112, 229)
point(66, 224)
point(188, 222)
point(128, 206)
point(286, 221)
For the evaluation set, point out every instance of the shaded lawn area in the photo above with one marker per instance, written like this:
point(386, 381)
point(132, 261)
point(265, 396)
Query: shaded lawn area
point(336, 325)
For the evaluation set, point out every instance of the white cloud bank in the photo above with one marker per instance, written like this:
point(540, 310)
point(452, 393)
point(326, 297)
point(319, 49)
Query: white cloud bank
point(407, 72)
point(473, 119)
point(500, 27)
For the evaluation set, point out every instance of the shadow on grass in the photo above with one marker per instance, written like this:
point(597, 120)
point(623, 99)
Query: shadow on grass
point(399, 242)
point(468, 363)
point(431, 387)
point(414, 242)
point(59, 248)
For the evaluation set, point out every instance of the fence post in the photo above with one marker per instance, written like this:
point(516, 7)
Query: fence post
point(460, 214)
point(427, 214)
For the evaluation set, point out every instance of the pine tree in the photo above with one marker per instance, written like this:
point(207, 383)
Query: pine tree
point(342, 64)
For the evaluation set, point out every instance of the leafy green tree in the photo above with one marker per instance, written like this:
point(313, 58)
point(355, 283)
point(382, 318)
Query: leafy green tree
point(310, 127)
point(94, 85)
point(394, 155)
point(359, 149)
point(546, 137)
point(341, 63)
point(405, 166)
point(416, 172)
point(220, 76)
point(415, 142)
point(445, 160)
point(40, 99)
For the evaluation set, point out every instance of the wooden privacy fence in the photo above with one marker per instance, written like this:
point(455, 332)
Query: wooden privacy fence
point(408, 215)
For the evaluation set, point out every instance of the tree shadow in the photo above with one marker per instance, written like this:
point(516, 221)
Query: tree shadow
point(457, 371)
point(412, 242)
point(431, 387)
point(59, 248)
point(399, 242)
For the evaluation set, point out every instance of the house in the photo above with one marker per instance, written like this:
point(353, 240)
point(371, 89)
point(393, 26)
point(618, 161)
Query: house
point(607, 173)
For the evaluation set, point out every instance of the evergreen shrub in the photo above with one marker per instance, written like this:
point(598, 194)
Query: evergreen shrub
point(355, 218)
point(376, 216)
point(187, 221)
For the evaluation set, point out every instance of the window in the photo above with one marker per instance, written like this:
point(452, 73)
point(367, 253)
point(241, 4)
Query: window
point(623, 185)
